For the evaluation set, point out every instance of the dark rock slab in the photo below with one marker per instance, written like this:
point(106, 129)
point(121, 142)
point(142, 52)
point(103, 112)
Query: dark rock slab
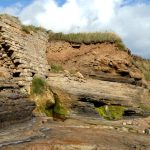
point(14, 105)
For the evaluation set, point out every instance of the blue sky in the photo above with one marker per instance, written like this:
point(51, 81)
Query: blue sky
point(130, 19)
point(5, 3)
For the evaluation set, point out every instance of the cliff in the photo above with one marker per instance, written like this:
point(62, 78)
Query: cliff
point(99, 70)
point(98, 74)
point(22, 56)
point(86, 80)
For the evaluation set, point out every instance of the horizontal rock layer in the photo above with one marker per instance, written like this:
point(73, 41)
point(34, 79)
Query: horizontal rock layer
point(23, 54)
point(97, 59)
point(14, 105)
point(97, 92)
point(20, 60)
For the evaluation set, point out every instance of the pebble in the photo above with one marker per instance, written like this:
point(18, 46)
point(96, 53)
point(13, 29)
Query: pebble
point(127, 123)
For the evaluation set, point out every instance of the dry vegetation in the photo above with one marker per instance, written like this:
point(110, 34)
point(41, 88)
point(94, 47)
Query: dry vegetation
point(91, 38)
point(88, 38)
point(143, 65)
point(30, 28)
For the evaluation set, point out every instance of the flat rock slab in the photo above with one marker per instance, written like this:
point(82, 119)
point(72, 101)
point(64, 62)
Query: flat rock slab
point(41, 133)
point(110, 92)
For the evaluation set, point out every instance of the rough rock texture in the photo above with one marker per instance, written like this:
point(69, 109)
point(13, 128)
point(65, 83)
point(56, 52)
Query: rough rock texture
point(82, 96)
point(75, 135)
point(101, 74)
point(24, 55)
point(111, 78)
point(94, 58)
point(144, 66)
point(14, 105)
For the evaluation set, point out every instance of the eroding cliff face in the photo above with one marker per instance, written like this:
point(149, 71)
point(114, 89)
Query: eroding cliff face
point(111, 78)
point(102, 60)
point(22, 56)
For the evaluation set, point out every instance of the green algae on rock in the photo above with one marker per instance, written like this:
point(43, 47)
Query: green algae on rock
point(47, 102)
point(111, 112)
point(42, 95)
point(59, 110)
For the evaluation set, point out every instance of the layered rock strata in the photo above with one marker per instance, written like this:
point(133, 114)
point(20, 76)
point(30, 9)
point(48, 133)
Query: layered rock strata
point(84, 97)
point(23, 54)
point(14, 105)
point(104, 61)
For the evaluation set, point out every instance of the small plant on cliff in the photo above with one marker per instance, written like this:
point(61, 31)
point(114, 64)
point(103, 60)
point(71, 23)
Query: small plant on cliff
point(38, 86)
point(47, 102)
point(57, 110)
point(145, 107)
point(42, 95)
point(58, 107)
point(56, 68)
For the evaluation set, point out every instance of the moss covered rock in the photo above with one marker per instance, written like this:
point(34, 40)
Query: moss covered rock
point(111, 112)
point(43, 96)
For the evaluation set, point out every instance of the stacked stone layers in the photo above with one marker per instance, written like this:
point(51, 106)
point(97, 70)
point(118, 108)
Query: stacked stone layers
point(24, 54)
point(14, 105)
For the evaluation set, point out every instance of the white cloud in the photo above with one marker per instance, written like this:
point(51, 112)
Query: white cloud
point(131, 22)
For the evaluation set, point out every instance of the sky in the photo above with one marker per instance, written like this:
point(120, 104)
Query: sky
point(130, 19)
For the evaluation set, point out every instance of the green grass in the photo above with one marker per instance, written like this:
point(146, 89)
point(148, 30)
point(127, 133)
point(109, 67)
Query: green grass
point(8, 16)
point(88, 38)
point(56, 68)
point(79, 38)
point(145, 107)
point(111, 112)
point(29, 28)
point(58, 108)
point(38, 86)
point(40, 91)
point(44, 109)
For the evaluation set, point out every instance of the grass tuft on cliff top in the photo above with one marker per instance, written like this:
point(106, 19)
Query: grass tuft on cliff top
point(30, 28)
point(88, 38)
point(79, 38)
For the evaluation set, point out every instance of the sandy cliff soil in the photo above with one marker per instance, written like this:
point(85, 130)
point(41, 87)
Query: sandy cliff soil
point(94, 58)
